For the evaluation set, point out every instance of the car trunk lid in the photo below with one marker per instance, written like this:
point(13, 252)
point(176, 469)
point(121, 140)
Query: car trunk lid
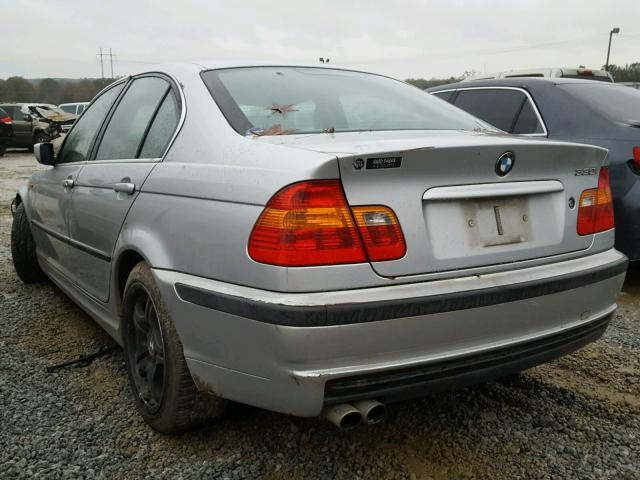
point(455, 209)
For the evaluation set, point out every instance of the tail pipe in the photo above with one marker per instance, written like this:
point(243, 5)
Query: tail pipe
point(344, 416)
point(372, 411)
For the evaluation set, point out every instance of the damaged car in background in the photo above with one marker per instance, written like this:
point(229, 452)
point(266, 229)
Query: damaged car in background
point(315, 241)
point(36, 123)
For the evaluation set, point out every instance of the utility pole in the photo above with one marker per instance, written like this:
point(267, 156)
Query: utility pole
point(101, 64)
point(101, 55)
point(616, 31)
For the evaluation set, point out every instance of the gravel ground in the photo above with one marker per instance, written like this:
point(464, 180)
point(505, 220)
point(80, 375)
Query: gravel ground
point(578, 417)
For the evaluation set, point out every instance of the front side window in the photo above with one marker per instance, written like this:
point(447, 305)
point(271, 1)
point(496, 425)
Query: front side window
point(68, 108)
point(78, 142)
point(126, 129)
point(297, 100)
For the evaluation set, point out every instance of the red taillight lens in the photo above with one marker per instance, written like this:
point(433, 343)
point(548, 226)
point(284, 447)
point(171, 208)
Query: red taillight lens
point(5, 120)
point(380, 232)
point(636, 157)
point(595, 210)
point(305, 224)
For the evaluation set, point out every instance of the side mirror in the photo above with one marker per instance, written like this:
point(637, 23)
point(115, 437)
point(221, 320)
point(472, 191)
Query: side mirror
point(27, 118)
point(44, 153)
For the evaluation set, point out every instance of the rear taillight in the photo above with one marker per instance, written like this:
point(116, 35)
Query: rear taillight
point(636, 157)
point(595, 209)
point(307, 223)
point(380, 232)
point(310, 223)
point(6, 120)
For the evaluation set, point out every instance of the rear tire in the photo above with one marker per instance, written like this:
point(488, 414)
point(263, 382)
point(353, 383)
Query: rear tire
point(23, 249)
point(164, 392)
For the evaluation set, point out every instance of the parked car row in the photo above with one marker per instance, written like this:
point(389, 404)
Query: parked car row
point(595, 113)
point(331, 241)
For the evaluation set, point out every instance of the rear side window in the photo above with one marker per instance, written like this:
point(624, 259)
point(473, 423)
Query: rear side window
point(162, 128)
point(527, 122)
point(497, 107)
point(448, 96)
point(509, 110)
point(77, 144)
point(126, 129)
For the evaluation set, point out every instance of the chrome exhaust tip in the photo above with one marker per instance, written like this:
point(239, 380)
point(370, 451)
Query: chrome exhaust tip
point(372, 411)
point(343, 416)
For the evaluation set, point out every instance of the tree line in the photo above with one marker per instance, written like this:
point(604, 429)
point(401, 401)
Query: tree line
point(49, 90)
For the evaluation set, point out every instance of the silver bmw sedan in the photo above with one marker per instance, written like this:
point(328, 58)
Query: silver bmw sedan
point(314, 240)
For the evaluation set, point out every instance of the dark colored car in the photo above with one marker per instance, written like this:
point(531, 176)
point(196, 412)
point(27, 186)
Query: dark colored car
point(597, 113)
point(36, 123)
point(6, 131)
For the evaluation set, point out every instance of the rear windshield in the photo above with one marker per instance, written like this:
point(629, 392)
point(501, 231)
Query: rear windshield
point(292, 100)
point(597, 78)
point(616, 102)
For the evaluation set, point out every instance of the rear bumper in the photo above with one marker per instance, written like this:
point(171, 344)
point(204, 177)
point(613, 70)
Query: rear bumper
point(448, 374)
point(294, 353)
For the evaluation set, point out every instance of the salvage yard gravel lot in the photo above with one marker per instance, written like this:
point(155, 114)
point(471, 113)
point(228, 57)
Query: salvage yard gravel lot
point(577, 417)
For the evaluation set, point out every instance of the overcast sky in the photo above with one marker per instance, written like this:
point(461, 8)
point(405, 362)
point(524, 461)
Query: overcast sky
point(401, 38)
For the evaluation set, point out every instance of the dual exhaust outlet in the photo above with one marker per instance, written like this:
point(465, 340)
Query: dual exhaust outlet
point(349, 415)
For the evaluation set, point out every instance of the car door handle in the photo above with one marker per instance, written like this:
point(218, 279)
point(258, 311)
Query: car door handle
point(67, 183)
point(125, 187)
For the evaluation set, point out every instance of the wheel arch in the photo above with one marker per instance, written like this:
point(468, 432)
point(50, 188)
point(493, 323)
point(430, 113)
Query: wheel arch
point(21, 198)
point(125, 262)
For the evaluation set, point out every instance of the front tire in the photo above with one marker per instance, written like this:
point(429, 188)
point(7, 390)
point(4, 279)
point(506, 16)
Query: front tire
point(40, 137)
point(165, 394)
point(23, 249)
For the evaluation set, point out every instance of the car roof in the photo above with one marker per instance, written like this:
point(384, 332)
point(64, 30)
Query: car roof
point(198, 66)
point(515, 82)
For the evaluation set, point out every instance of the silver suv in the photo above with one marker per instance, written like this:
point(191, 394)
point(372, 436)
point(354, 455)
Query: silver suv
point(314, 240)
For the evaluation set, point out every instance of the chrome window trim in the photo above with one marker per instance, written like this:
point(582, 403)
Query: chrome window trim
point(526, 93)
point(183, 113)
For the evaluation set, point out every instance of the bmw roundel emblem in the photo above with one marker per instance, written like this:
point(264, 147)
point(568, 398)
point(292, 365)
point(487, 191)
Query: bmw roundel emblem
point(505, 163)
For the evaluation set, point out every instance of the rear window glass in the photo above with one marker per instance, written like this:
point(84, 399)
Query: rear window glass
point(616, 102)
point(291, 100)
point(597, 78)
